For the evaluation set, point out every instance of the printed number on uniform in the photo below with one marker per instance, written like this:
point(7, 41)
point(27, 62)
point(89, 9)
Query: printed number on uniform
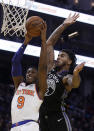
point(21, 101)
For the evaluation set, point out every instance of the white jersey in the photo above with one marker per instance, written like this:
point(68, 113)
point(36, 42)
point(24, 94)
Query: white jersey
point(25, 103)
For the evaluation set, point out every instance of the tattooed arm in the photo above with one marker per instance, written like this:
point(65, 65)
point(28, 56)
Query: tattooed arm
point(50, 45)
point(54, 38)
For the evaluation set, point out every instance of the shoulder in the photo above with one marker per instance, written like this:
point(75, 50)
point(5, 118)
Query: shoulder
point(22, 84)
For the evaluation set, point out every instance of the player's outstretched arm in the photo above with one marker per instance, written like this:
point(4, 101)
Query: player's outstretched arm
point(55, 36)
point(73, 81)
point(16, 70)
point(76, 77)
point(42, 67)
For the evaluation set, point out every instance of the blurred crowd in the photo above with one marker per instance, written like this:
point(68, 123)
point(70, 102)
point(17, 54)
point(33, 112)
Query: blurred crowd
point(80, 110)
point(6, 94)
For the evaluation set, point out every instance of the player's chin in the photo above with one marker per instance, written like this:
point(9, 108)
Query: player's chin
point(58, 64)
point(29, 81)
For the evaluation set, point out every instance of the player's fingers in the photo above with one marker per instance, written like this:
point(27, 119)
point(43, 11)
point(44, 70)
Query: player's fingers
point(82, 64)
point(44, 26)
point(74, 15)
point(77, 16)
point(40, 24)
point(80, 67)
point(69, 15)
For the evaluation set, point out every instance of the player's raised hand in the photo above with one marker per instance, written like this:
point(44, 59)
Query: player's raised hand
point(78, 68)
point(28, 38)
point(71, 19)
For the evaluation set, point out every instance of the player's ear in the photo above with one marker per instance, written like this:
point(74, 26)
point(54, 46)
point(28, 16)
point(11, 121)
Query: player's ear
point(69, 62)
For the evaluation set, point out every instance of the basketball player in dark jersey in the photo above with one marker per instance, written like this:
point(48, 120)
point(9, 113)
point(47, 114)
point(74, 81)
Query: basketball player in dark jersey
point(60, 82)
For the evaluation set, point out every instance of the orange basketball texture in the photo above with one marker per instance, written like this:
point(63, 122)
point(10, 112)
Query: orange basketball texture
point(33, 25)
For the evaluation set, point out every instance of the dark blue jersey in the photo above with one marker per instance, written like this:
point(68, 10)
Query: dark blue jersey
point(53, 96)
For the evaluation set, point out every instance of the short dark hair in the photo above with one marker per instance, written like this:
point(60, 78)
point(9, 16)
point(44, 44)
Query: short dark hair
point(72, 57)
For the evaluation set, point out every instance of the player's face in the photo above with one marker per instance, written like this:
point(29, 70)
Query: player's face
point(31, 75)
point(63, 59)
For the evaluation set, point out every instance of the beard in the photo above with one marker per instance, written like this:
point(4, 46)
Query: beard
point(60, 66)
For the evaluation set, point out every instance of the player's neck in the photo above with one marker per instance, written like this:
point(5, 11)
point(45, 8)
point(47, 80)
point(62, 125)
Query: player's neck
point(64, 68)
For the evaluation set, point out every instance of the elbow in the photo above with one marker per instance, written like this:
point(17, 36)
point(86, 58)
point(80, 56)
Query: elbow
point(15, 59)
point(76, 84)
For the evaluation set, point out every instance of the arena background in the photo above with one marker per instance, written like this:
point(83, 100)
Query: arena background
point(80, 103)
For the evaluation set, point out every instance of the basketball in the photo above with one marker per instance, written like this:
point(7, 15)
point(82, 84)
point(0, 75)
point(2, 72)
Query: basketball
point(33, 26)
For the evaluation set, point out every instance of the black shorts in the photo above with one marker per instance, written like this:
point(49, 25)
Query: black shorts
point(54, 121)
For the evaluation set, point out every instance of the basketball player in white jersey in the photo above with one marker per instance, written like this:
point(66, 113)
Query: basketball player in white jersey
point(29, 94)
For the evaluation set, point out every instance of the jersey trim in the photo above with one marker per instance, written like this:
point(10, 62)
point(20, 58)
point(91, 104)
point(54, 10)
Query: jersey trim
point(21, 123)
point(68, 124)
